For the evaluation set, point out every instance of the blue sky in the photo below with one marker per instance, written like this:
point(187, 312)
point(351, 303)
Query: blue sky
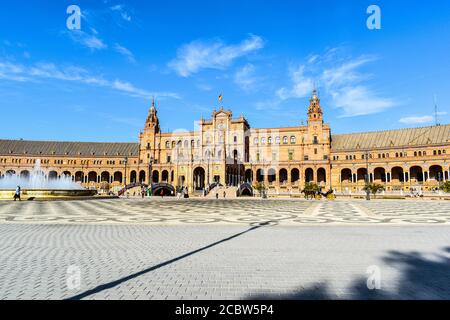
point(96, 84)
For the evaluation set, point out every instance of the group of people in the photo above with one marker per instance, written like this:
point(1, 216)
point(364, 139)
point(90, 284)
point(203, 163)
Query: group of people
point(224, 195)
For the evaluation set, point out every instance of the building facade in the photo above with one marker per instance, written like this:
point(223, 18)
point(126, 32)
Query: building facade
point(227, 150)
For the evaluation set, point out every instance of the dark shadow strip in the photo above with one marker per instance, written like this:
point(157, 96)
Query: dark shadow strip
point(115, 283)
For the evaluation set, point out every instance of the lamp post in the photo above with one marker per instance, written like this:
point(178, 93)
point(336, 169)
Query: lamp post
point(209, 159)
point(367, 175)
point(150, 172)
point(125, 161)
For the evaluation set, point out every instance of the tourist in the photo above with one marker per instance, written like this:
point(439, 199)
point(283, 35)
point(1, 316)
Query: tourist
point(224, 194)
point(17, 194)
point(217, 195)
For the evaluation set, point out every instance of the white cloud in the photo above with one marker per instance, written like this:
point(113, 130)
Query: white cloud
point(90, 41)
point(197, 55)
point(342, 81)
point(125, 52)
point(20, 73)
point(302, 86)
point(416, 119)
point(120, 8)
point(246, 79)
point(345, 73)
point(359, 100)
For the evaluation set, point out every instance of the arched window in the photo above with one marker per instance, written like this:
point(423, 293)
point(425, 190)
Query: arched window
point(263, 140)
point(255, 141)
point(292, 139)
point(235, 139)
point(277, 140)
point(285, 140)
point(269, 140)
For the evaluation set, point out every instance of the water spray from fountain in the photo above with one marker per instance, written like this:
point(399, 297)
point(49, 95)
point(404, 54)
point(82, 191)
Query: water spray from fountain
point(37, 180)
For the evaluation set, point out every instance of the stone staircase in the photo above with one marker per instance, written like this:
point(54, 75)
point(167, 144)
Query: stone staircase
point(229, 191)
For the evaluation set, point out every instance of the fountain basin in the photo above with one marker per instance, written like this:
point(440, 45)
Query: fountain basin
point(44, 194)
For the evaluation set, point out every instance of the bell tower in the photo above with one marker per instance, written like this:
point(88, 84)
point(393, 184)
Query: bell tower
point(152, 122)
point(315, 114)
point(149, 136)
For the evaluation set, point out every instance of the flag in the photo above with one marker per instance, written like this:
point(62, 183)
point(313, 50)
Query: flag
point(220, 97)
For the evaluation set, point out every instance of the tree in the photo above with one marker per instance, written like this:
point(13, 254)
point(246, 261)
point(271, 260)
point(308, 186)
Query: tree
point(311, 190)
point(311, 187)
point(374, 188)
point(445, 187)
point(259, 187)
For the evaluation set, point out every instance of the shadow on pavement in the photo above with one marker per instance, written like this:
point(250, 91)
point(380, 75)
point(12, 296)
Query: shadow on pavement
point(117, 282)
point(421, 279)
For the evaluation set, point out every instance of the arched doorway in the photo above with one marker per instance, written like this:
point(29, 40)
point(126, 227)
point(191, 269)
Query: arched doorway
point(104, 176)
point(309, 175)
point(25, 174)
point(155, 176)
point(79, 176)
point(249, 175)
point(199, 178)
point(283, 174)
point(142, 176)
point(361, 175)
point(321, 176)
point(346, 175)
point(118, 176)
point(165, 176)
point(133, 176)
point(416, 174)
point(52, 175)
point(379, 175)
point(272, 176)
point(92, 176)
point(260, 175)
point(295, 176)
point(436, 173)
point(397, 175)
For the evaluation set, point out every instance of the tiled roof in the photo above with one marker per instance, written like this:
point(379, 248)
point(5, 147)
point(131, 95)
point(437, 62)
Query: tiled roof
point(392, 138)
point(68, 148)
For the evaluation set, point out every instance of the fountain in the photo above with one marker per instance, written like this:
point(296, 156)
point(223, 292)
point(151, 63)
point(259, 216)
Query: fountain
point(38, 186)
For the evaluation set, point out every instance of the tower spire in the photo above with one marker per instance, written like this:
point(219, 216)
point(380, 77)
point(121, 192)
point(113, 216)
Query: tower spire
point(314, 110)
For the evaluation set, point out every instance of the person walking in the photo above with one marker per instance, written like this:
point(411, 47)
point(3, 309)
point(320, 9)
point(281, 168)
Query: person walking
point(17, 193)
point(217, 195)
point(224, 194)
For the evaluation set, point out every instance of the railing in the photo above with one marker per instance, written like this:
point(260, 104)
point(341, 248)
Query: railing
point(244, 186)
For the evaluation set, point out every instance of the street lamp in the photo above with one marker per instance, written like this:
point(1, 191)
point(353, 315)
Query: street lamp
point(367, 176)
point(125, 161)
point(150, 171)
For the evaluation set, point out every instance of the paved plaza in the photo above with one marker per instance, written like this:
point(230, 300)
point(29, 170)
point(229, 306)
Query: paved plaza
point(225, 212)
point(216, 249)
